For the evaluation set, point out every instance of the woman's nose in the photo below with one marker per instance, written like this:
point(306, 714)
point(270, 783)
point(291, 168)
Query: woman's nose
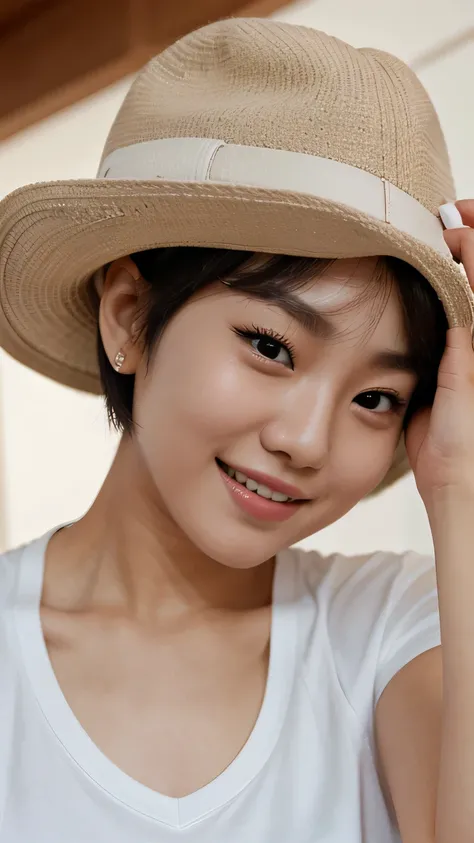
point(302, 431)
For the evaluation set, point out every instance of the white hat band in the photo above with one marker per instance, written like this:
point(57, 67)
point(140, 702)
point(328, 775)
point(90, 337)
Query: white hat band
point(205, 159)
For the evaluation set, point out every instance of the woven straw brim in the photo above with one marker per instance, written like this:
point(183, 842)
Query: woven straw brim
point(54, 236)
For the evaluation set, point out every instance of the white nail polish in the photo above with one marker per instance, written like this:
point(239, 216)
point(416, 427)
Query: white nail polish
point(451, 216)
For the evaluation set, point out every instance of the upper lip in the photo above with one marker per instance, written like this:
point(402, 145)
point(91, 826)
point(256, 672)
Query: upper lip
point(272, 482)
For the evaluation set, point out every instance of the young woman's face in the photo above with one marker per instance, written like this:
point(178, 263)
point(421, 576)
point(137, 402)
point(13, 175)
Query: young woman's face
point(241, 384)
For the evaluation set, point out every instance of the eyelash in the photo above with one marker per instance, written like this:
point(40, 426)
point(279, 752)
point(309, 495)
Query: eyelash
point(256, 333)
point(398, 404)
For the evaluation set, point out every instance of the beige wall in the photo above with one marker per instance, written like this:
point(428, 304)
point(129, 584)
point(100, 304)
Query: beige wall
point(54, 442)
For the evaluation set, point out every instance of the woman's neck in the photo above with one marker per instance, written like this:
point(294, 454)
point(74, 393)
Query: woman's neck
point(127, 555)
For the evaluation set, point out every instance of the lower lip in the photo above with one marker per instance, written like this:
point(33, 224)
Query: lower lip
point(255, 505)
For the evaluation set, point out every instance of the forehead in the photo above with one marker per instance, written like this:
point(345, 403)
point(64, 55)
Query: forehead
point(352, 292)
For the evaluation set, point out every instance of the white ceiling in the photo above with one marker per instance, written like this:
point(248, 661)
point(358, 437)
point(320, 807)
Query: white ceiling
point(404, 27)
point(435, 38)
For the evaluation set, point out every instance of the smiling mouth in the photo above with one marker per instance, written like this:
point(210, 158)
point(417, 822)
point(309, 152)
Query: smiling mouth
point(259, 489)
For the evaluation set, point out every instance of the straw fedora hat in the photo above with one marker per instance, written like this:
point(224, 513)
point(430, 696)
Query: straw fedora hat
point(246, 134)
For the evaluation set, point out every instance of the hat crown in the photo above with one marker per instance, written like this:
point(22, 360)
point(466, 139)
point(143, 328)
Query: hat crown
point(258, 82)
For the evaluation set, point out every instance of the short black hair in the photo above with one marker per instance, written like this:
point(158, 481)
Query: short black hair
point(175, 274)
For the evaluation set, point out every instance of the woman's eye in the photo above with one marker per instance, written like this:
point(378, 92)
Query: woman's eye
point(272, 350)
point(380, 402)
point(268, 344)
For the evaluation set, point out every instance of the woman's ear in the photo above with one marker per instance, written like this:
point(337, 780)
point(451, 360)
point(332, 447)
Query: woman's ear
point(120, 305)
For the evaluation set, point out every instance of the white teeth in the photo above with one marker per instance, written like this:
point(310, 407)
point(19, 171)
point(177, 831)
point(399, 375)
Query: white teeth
point(264, 491)
point(279, 496)
point(259, 488)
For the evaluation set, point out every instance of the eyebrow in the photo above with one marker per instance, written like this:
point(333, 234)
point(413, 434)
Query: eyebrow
point(320, 326)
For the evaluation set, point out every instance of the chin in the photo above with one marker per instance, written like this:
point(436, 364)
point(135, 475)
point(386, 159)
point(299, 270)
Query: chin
point(234, 545)
point(239, 542)
point(242, 552)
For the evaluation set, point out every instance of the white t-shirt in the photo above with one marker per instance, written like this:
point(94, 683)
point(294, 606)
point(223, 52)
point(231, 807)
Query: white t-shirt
point(341, 628)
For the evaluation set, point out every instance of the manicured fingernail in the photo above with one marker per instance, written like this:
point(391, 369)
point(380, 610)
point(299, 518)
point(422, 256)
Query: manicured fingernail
point(450, 216)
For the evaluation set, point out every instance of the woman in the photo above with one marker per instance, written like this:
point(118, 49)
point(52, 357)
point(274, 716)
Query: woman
point(277, 312)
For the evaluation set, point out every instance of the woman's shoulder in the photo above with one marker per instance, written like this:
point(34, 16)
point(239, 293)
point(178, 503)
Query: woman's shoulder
point(14, 564)
point(9, 571)
point(370, 613)
point(378, 574)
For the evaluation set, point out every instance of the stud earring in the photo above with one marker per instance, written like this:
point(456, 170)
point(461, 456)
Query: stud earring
point(118, 361)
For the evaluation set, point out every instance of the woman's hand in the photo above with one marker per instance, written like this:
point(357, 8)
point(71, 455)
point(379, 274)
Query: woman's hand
point(440, 440)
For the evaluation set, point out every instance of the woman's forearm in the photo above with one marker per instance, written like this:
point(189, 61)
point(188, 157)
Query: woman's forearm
point(453, 536)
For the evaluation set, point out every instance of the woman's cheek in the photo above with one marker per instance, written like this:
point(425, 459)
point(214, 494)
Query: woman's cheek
point(216, 393)
point(363, 458)
point(228, 394)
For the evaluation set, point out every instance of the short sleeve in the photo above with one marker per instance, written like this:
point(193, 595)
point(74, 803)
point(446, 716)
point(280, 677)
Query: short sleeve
point(412, 620)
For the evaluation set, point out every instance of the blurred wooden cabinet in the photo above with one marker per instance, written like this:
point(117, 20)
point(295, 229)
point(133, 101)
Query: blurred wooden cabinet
point(55, 52)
